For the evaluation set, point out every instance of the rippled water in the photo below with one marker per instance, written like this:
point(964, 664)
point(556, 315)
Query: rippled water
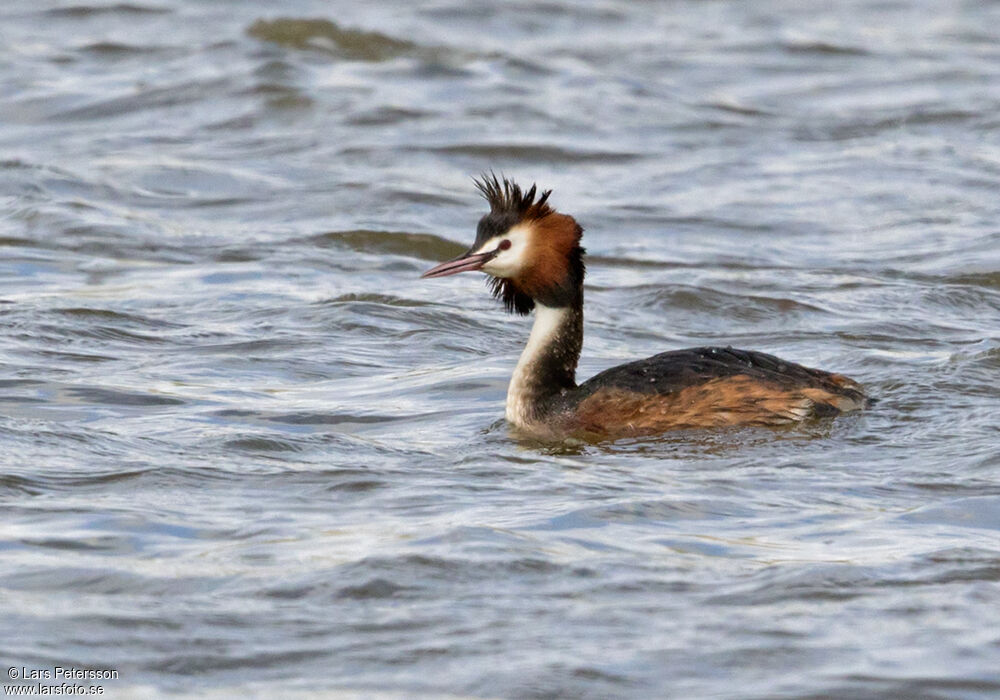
point(247, 452)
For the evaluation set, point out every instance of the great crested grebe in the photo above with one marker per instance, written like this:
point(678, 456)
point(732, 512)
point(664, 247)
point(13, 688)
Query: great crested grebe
point(533, 256)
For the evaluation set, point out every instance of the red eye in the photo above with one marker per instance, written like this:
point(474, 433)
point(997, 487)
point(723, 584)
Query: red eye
point(504, 245)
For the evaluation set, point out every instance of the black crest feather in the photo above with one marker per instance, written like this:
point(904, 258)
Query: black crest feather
point(507, 199)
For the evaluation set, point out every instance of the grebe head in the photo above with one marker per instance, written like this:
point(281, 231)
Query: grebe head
point(530, 251)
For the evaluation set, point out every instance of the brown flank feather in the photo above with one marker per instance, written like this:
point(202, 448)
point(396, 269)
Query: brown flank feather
point(727, 401)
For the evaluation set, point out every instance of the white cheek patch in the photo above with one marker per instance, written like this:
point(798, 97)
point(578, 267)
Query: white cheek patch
point(488, 246)
point(507, 262)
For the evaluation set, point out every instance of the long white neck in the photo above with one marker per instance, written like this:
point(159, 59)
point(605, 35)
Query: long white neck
point(548, 362)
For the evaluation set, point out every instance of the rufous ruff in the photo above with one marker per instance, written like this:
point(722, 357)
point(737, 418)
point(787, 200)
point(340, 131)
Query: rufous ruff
point(534, 260)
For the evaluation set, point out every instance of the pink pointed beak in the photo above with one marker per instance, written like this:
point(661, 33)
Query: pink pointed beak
point(465, 262)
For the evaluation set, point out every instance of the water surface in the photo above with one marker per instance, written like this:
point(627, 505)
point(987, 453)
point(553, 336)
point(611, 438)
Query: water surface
point(247, 452)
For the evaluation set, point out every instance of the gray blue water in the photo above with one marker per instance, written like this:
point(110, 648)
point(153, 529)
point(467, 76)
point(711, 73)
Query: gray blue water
point(246, 452)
